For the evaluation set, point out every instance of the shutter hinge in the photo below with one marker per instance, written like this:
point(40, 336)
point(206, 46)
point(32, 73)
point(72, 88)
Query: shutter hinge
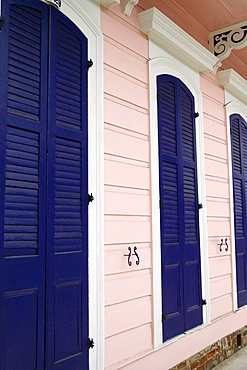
point(163, 318)
point(196, 114)
point(158, 96)
point(89, 64)
point(200, 206)
point(204, 302)
point(90, 198)
point(90, 343)
point(2, 21)
point(162, 203)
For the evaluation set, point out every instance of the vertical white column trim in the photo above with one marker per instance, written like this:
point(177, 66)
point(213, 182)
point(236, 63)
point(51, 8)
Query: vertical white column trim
point(86, 15)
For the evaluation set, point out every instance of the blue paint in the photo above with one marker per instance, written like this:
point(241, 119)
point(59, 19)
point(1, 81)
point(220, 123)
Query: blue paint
point(239, 164)
point(179, 219)
point(44, 183)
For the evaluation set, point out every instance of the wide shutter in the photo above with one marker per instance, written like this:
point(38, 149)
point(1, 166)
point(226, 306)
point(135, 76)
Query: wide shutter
point(180, 245)
point(239, 163)
point(43, 189)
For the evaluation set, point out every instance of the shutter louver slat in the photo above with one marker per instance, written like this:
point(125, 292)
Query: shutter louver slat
point(22, 193)
point(68, 82)
point(68, 217)
point(24, 62)
point(190, 206)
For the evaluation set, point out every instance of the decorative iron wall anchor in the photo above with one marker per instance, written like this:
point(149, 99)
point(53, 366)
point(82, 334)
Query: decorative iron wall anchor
point(132, 254)
point(223, 243)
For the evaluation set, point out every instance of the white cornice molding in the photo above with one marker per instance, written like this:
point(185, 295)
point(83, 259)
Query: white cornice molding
point(171, 37)
point(234, 83)
point(223, 41)
point(128, 5)
point(108, 3)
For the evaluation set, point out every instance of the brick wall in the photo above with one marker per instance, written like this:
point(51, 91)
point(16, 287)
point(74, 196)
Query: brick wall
point(217, 352)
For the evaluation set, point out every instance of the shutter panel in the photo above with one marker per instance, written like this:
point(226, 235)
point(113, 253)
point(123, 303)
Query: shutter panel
point(23, 75)
point(191, 248)
point(67, 197)
point(172, 266)
point(239, 163)
point(180, 248)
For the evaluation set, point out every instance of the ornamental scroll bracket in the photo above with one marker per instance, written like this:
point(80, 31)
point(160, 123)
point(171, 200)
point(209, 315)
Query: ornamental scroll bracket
point(223, 41)
point(127, 5)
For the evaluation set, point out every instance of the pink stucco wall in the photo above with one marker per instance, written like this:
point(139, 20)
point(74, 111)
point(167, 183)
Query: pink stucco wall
point(128, 289)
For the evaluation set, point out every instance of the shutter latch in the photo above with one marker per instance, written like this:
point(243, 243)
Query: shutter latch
point(196, 114)
point(204, 302)
point(162, 203)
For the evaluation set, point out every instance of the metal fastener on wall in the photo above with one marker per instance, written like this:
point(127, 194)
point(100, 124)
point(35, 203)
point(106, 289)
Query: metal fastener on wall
point(223, 243)
point(132, 254)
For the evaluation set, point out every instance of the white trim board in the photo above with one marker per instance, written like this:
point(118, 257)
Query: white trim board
point(174, 39)
point(234, 84)
point(86, 15)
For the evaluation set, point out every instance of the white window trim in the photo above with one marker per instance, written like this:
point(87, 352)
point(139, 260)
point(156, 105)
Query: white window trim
point(172, 51)
point(170, 65)
point(235, 103)
point(86, 15)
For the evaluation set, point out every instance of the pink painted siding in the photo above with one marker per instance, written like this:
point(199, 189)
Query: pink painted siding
point(128, 289)
point(128, 304)
point(217, 187)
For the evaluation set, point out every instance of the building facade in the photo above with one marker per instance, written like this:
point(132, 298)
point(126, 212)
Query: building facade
point(123, 184)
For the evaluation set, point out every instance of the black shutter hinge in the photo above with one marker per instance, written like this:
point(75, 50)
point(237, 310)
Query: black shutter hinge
point(204, 302)
point(163, 318)
point(158, 96)
point(162, 203)
point(196, 114)
point(90, 343)
point(2, 21)
point(90, 198)
point(89, 64)
point(200, 206)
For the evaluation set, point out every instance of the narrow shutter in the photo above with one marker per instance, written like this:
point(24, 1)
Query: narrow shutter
point(23, 89)
point(180, 248)
point(239, 163)
point(67, 190)
point(191, 248)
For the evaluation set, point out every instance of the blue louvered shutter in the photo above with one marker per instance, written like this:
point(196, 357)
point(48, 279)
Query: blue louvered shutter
point(67, 190)
point(180, 245)
point(43, 189)
point(239, 164)
point(23, 112)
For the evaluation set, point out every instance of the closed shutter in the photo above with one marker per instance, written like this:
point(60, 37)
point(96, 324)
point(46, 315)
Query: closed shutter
point(239, 163)
point(180, 244)
point(43, 189)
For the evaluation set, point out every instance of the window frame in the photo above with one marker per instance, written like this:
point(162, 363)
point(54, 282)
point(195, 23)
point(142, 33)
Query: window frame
point(162, 62)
